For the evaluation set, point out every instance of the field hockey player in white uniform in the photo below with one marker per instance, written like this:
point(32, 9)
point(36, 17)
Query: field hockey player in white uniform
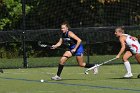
point(131, 46)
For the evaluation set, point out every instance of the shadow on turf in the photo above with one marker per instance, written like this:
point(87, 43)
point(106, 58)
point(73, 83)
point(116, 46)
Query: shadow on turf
point(124, 78)
point(71, 79)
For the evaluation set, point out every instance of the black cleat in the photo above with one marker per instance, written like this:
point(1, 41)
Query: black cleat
point(1, 71)
point(138, 76)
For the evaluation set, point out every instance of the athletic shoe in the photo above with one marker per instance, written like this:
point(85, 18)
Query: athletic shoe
point(1, 70)
point(128, 75)
point(56, 78)
point(95, 70)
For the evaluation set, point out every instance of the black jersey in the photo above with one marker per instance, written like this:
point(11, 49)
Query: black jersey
point(68, 40)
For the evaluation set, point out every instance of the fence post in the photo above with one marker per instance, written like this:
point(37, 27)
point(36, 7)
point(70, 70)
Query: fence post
point(25, 63)
point(87, 47)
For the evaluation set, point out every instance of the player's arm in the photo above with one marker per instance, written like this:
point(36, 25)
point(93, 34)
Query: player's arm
point(57, 44)
point(72, 35)
point(123, 46)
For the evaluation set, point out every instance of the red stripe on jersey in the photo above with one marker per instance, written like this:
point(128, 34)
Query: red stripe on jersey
point(135, 47)
point(132, 38)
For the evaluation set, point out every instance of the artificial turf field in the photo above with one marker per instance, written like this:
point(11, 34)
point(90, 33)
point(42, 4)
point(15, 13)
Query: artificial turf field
point(108, 80)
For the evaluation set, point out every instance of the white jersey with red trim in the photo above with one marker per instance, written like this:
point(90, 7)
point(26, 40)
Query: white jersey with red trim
point(132, 43)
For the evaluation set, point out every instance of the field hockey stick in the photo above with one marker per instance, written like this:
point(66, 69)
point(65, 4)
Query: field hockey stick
point(86, 71)
point(49, 46)
point(44, 45)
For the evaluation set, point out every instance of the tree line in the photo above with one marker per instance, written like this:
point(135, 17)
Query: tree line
point(42, 14)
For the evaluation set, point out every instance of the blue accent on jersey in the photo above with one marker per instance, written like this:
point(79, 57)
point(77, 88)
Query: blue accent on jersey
point(68, 41)
point(79, 51)
point(71, 43)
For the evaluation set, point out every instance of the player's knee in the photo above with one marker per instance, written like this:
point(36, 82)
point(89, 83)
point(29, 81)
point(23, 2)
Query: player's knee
point(125, 59)
point(82, 65)
point(62, 62)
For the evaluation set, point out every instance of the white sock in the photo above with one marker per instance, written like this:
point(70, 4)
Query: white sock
point(127, 66)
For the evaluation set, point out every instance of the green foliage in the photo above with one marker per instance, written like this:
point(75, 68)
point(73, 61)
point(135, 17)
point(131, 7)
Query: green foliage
point(10, 50)
point(86, 13)
point(3, 22)
point(12, 14)
point(42, 14)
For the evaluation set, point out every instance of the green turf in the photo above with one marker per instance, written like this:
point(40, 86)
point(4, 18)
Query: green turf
point(53, 61)
point(74, 81)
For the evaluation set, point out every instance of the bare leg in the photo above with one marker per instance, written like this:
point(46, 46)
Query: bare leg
point(63, 59)
point(137, 56)
point(81, 63)
point(126, 56)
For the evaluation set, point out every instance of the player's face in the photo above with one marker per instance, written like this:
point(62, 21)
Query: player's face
point(64, 28)
point(117, 33)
